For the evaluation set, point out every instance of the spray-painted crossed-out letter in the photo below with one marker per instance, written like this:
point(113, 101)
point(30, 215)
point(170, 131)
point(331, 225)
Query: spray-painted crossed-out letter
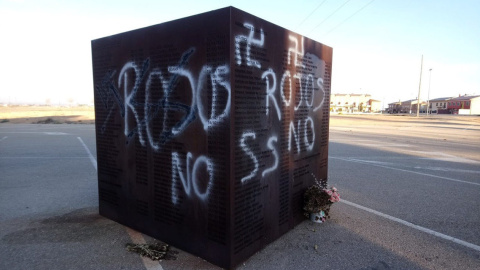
point(155, 74)
point(250, 40)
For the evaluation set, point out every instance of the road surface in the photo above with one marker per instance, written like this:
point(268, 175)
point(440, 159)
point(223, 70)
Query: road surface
point(410, 191)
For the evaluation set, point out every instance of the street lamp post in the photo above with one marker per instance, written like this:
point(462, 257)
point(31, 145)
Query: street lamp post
point(428, 96)
point(419, 87)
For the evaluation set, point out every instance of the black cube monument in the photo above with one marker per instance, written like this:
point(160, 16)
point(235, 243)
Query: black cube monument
point(209, 129)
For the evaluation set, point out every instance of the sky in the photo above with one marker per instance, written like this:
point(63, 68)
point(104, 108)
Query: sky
point(45, 49)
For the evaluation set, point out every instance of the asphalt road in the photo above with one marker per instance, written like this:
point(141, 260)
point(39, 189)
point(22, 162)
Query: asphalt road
point(410, 193)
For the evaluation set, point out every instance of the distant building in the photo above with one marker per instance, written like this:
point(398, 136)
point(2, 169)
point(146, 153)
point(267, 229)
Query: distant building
point(395, 107)
point(475, 106)
point(352, 103)
point(438, 105)
point(407, 106)
point(454, 105)
point(464, 105)
point(375, 105)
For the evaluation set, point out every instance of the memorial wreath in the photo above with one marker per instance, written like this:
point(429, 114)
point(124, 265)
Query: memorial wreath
point(318, 199)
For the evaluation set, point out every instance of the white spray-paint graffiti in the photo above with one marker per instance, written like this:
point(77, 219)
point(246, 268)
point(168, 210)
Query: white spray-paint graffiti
point(320, 84)
point(130, 80)
point(271, 91)
point(297, 53)
point(307, 85)
point(218, 77)
point(292, 131)
point(250, 40)
point(195, 177)
point(191, 181)
point(249, 152)
point(270, 145)
point(286, 75)
point(294, 134)
point(130, 95)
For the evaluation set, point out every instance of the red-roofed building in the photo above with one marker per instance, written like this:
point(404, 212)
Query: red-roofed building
point(464, 105)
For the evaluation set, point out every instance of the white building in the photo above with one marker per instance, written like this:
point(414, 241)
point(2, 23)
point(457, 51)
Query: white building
point(351, 103)
point(438, 104)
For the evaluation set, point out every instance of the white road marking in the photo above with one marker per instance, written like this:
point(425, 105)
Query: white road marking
point(374, 162)
point(429, 155)
point(393, 168)
point(411, 225)
point(348, 140)
point(92, 158)
point(55, 133)
point(371, 143)
point(2, 139)
point(445, 157)
point(384, 145)
point(443, 169)
point(136, 237)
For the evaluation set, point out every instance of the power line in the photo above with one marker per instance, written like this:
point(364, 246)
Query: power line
point(311, 13)
point(355, 13)
point(330, 15)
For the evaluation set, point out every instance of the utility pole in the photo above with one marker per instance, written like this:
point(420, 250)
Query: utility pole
point(419, 87)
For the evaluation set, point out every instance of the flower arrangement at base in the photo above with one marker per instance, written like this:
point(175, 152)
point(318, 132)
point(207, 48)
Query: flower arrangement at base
point(318, 199)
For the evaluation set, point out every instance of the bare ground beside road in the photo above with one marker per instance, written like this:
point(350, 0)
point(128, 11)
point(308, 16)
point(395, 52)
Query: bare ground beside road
point(86, 115)
point(401, 120)
point(458, 128)
point(47, 115)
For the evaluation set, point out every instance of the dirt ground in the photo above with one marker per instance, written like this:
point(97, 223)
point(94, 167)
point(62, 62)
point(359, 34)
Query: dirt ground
point(47, 115)
point(86, 115)
point(400, 120)
point(408, 128)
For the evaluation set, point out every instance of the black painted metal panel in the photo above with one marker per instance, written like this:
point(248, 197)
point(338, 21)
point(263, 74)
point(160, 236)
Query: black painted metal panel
point(208, 130)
